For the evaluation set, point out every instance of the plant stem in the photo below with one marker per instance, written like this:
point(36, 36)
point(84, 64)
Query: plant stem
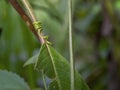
point(44, 81)
point(29, 8)
point(70, 44)
point(24, 16)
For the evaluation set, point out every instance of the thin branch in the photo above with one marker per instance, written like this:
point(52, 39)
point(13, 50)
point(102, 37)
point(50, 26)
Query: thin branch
point(70, 44)
point(24, 16)
point(29, 8)
point(34, 20)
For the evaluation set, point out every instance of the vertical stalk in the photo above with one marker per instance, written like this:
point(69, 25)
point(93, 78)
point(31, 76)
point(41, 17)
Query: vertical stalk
point(44, 81)
point(70, 44)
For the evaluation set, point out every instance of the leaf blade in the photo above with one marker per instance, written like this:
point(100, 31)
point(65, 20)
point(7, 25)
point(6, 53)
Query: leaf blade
point(61, 77)
point(32, 60)
point(61, 69)
point(11, 81)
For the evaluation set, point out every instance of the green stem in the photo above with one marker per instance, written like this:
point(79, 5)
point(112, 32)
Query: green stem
point(29, 8)
point(70, 44)
point(44, 81)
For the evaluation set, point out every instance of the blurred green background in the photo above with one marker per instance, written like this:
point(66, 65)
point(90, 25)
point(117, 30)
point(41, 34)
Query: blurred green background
point(96, 39)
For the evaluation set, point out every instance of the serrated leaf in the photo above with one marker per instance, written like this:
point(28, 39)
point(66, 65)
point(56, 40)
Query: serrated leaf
point(11, 81)
point(57, 68)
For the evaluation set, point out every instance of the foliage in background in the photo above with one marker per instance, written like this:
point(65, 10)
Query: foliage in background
point(94, 49)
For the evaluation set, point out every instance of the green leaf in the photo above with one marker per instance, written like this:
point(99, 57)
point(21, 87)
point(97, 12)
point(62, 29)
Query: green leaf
point(32, 60)
point(11, 81)
point(56, 68)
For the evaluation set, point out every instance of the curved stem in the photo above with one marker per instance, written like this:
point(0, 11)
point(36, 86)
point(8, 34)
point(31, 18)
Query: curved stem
point(70, 44)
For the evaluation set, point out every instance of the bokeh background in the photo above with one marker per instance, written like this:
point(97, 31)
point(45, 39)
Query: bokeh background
point(96, 39)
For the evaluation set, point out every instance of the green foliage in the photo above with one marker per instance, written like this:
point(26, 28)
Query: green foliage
point(56, 68)
point(11, 81)
point(17, 44)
